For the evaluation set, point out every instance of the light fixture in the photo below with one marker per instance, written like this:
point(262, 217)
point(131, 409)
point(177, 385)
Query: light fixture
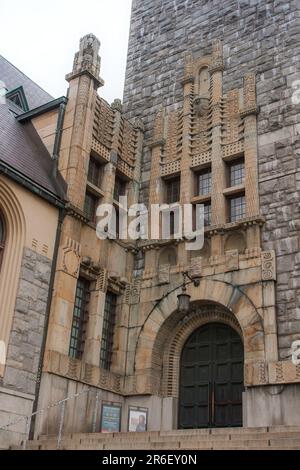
point(184, 299)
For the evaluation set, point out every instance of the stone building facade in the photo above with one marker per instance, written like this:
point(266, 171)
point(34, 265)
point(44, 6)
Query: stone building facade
point(31, 205)
point(208, 118)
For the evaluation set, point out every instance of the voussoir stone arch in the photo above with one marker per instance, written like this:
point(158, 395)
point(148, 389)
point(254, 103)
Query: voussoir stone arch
point(12, 258)
point(231, 306)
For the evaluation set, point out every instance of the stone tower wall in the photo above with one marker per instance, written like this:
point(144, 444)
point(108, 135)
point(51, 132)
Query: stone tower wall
point(258, 36)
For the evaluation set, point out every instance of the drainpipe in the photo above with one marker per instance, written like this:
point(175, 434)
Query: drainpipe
point(61, 215)
point(49, 300)
point(58, 136)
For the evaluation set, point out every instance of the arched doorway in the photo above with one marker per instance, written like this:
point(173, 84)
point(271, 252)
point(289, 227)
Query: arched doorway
point(211, 378)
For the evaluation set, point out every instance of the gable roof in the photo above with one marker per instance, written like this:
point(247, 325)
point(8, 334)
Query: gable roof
point(13, 78)
point(23, 154)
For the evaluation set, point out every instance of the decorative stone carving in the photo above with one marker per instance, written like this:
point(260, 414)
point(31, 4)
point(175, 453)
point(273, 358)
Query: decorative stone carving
point(71, 257)
point(284, 372)
point(268, 266)
point(136, 291)
point(217, 63)
point(87, 59)
point(250, 106)
point(102, 281)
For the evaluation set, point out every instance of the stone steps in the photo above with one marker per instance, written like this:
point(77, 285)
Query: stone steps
point(277, 437)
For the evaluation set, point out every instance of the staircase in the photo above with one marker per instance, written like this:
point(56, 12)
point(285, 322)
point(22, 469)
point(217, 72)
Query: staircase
point(273, 438)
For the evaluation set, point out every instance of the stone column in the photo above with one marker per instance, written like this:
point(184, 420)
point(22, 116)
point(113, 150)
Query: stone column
point(186, 176)
point(218, 202)
point(84, 80)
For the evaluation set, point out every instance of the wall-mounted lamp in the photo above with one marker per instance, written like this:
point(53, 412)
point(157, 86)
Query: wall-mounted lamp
point(184, 298)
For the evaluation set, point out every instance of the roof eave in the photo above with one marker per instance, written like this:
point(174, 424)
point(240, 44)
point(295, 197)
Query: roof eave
point(35, 188)
point(24, 117)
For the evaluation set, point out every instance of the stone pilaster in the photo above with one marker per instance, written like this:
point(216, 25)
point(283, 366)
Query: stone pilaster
point(76, 143)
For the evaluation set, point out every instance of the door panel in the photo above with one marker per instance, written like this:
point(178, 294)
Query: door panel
point(211, 378)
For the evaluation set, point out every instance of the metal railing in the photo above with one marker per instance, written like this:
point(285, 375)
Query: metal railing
point(59, 404)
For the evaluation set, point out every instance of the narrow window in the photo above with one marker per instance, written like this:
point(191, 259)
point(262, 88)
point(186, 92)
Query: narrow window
point(90, 206)
point(120, 188)
point(237, 208)
point(204, 183)
point(80, 318)
point(207, 215)
point(237, 173)
point(109, 321)
point(173, 190)
point(95, 172)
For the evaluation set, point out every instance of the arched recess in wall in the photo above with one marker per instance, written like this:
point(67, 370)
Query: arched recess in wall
point(11, 262)
point(152, 353)
point(204, 253)
point(236, 241)
point(168, 255)
point(203, 81)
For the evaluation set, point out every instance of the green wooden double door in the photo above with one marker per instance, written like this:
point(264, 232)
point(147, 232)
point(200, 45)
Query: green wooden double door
point(211, 378)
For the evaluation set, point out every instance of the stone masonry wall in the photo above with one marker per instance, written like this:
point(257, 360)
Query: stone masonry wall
point(261, 36)
point(28, 325)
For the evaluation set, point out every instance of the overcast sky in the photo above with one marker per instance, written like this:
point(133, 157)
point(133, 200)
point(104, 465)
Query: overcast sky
point(40, 38)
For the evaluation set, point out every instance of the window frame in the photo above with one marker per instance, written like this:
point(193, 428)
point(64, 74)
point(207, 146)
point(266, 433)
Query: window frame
point(89, 216)
point(172, 196)
point(237, 180)
point(95, 172)
point(120, 183)
point(238, 216)
point(108, 329)
point(80, 320)
point(199, 174)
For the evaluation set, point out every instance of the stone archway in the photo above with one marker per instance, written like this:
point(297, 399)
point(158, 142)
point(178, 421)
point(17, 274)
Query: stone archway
point(154, 347)
point(11, 264)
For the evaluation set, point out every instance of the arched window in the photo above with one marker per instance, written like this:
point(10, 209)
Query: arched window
point(2, 237)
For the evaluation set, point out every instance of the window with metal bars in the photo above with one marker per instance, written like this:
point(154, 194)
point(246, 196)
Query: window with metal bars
point(80, 318)
point(237, 208)
point(2, 238)
point(204, 183)
point(120, 188)
point(90, 206)
point(108, 330)
point(95, 172)
point(173, 190)
point(237, 173)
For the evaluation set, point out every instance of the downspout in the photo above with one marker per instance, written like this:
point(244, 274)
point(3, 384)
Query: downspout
point(61, 216)
point(46, 325)
point(58, 136)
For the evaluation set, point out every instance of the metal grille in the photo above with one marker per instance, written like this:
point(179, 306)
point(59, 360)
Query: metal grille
point(80, 317)
point(95, 172)
point(90, 206)
point(237, 208)
point(108, 330)
point(237, 173)
point(173, 190)
point(204, 183)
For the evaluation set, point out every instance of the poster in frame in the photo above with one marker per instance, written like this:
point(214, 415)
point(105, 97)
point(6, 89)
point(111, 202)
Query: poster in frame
point(137, 419)
point(110, 418)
